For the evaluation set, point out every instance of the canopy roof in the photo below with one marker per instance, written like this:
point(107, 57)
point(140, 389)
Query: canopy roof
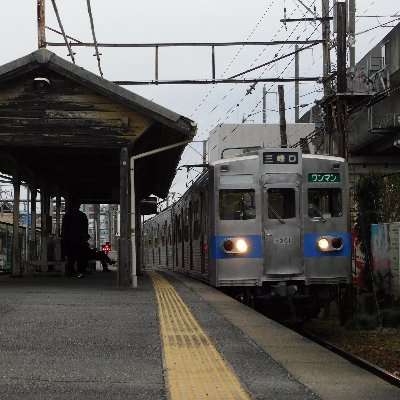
point(64, 127)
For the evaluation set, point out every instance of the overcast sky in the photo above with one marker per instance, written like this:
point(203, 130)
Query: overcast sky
point(130, 21)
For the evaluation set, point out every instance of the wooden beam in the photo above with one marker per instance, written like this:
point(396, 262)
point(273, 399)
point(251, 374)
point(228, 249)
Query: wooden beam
point(16, 259)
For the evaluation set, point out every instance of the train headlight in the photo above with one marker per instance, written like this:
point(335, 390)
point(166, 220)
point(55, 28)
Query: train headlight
point(323, 244)
point(227, 245)
point(242, 246)
point(330, 243)
point(235, 246)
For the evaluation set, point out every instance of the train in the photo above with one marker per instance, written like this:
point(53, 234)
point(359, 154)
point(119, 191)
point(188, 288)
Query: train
point(267, 225)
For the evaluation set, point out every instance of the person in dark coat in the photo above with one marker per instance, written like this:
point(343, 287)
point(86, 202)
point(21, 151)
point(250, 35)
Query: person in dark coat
point(74, 233)
point(98, 255)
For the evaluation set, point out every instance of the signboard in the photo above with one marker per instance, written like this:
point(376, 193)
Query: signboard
point(317, 177)
point(23, 219)
point(277, 157)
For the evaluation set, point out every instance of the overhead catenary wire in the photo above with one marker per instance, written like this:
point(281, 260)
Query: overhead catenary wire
point(254, 61)
point(234, 58)
point(233, 130)
point(287, 66)
point(60, 33)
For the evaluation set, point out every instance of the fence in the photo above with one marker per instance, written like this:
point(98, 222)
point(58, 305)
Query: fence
point(6, 234)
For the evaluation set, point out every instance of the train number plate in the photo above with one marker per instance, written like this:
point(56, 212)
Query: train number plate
point(283, 240)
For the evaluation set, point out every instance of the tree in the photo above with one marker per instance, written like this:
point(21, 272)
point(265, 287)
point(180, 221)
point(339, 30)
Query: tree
point(369, 199)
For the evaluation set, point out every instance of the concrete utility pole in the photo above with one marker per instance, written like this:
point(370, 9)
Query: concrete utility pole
point(296, 85)
point(326, 67)
point(264, 105)
point(282, 118)
point(41, 24)
point(351, 34)
point(342, 116)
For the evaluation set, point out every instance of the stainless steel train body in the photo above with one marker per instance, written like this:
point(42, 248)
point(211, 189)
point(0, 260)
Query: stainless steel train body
point(276, 221)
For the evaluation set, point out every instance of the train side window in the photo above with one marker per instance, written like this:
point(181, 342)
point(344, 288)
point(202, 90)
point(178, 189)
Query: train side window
point(179, 229)
point(281, 203)
point(237, 204)
point(196, 230)
point(186, 225)
point(325, 202)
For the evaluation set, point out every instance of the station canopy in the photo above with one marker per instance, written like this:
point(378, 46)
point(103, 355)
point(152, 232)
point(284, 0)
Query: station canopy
point(65, 127)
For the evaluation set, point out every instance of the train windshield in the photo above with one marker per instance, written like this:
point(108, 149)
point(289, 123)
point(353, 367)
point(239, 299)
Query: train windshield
point(325, 203)
point(237, 204)
point(281, 203)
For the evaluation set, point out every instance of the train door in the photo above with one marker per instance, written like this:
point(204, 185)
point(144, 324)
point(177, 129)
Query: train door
point(282, 229)
point(182, 242)
point(176, 241)
point(204, 207)
point(190, 223)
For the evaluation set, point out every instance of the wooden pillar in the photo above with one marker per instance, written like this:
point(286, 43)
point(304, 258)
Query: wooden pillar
point(32, 236)
point(57, 252)
point(44, 229)
point(124, 264)
point(16, 251)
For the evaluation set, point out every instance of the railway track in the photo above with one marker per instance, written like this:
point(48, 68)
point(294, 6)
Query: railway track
point(387, 376)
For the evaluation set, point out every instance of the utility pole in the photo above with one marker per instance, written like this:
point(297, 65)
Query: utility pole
point(341, 115)
point(41, 24)
point(296, 85)
point(326, 66)
point(352, 32)
point(282, 118)
point(264, 110)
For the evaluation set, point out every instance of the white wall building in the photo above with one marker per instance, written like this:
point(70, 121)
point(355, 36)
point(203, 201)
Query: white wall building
point(243, 135)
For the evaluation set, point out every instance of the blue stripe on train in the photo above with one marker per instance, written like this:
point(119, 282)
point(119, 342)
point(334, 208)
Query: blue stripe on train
point(310, 245)
point(255, 242)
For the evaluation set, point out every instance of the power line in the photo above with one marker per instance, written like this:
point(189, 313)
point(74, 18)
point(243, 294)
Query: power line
point(214, 81)
point(256, 59)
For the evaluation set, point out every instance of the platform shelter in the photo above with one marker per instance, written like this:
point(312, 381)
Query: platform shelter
point(66, 131)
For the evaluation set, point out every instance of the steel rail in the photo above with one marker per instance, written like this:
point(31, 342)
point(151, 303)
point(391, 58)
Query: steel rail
point(360, 362)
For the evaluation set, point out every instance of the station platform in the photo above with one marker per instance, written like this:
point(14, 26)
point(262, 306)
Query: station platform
point(170, 338)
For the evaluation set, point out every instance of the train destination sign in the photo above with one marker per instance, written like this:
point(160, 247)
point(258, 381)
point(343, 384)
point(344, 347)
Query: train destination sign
point(317, 177)
point(278, 157)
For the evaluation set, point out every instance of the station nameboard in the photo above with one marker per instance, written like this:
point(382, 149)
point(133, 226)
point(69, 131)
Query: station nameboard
point(317, 177)
point(277, 157)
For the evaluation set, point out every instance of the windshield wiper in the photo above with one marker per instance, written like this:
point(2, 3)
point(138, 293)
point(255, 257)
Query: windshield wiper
point(318, 211)
point(276, 214)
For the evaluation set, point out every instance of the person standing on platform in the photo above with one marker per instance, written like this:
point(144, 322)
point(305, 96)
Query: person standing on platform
point(74, 233)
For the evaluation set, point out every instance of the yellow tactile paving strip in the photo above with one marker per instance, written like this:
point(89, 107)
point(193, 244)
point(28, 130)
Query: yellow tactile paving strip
point(194, 368)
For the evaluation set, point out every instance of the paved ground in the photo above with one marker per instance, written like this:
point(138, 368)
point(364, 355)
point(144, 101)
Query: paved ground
point(86, 339)
point(79, 339)
point(324, 373)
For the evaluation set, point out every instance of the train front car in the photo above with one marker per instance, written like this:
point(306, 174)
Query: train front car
point(235, 239)
point(327, 246)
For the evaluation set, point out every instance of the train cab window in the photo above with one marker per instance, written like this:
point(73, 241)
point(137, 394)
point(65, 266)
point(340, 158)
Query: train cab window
point(237, 204)
point(325, 203)
point(281, 203)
